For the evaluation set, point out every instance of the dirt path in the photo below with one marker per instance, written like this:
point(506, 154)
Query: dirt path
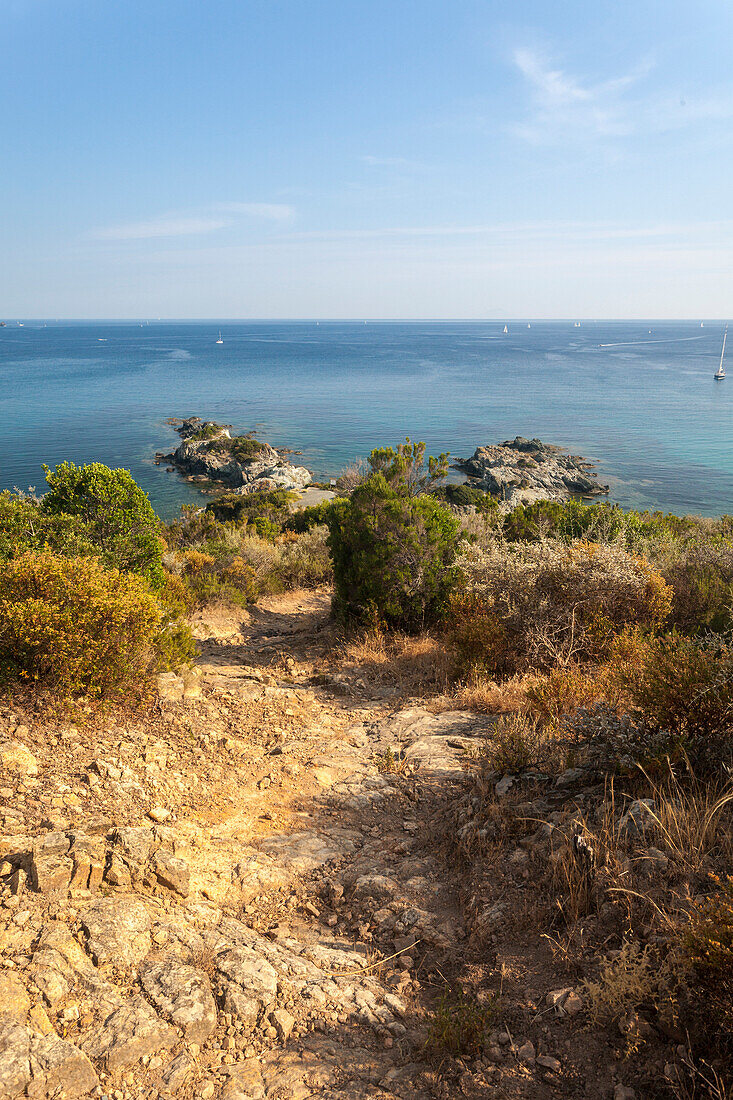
point(257, 895)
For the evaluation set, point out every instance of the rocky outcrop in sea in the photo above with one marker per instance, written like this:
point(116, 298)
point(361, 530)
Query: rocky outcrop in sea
point(208, 452)
point(522, 471)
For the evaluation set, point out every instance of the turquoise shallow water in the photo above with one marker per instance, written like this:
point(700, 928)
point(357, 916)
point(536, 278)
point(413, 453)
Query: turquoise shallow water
point(642, 404)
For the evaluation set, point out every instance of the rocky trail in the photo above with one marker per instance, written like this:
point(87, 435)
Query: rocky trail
point(253, 891)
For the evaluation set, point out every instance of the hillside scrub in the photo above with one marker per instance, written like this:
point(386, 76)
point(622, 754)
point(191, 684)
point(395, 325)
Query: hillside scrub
point(74, 626)
point(536, 605)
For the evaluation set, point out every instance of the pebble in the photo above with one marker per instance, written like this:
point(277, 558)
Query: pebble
point(159, 814)
point(526, 1054)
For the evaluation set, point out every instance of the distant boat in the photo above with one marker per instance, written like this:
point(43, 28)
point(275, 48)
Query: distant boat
point(506, 331)
point(220, 341)
point(702, 325)
point(577, 324)
point(720, 372)
point(529, 326)
point(101, 339)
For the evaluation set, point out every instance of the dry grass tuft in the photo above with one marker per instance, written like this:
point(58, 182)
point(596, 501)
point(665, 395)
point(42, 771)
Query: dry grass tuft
point(482, 694)
point(630, 979)
point(693, 822)
point(414, 663)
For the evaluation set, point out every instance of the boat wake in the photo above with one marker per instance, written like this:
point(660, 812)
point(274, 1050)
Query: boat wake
point(635, 343)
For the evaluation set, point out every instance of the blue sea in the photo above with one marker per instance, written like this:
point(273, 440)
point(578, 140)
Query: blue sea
point(637, 398)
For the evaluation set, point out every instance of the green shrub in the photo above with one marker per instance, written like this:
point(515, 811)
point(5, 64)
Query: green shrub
point(464, 496)
point(701, 577)
point(24, 525)
point(174, 643)
point(244, 448)
point(533, 605)
point(683, 687)
point(393, 556)
point(565, 520)
point(232, 581)
point(116, 513)
point(314, 516)
point(404, 468)
point(709, 937)
point(75, 626)
point(459, 1026)
point(245, 507)
point(305, 561)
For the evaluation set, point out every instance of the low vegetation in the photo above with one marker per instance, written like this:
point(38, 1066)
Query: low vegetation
point(600, 641)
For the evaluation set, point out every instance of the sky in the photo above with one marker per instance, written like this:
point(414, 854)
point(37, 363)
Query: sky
point(366, 159)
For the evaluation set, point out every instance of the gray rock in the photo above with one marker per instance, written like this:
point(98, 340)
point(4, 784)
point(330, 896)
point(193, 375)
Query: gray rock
point(14, 1000)
point(88, 856)
point(126, 1035)
point(566, 1002)
point(117, 930)
point(16, 759)
point(183, 994)
point(249, 983)
point(177, 1072)
point(545, 1061)
point(639, 819)
point(378, 887)
point(526, 1054)
point(283, 1023)
point(133, 845)
point(523, 471)
point(212, 458)
point(51, 865)
point(245, 1082)
point(171, 872)
point(41, 1065)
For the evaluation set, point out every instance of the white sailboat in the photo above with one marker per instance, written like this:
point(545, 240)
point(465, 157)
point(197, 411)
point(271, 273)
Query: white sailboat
point(506, 331)
point(529, 326)
point(720, 372)
point(220, 341)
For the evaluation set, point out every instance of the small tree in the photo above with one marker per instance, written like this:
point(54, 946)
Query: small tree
point(404, 469)
point(393, 551)
point(117, 515)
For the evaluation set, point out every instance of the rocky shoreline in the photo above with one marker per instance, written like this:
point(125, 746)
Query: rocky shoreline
point(522, 471)
point(241, 464)
point(518, 471)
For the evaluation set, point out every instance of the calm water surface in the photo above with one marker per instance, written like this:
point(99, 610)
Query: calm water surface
point(641, 404)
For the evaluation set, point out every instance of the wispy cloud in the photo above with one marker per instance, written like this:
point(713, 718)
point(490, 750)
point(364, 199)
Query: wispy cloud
point(166, 226)
point(220, 215)
point(567, 108)
point(272, 211)
point(565, 104)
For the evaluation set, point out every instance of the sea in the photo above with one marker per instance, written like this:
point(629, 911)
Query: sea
point(637, 398)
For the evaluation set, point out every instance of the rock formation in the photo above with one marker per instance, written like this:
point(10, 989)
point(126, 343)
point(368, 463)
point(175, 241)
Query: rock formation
point(244, 465)
point(522, 471)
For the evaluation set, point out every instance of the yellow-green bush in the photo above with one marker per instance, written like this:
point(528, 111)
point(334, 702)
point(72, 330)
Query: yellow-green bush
point(75, 626)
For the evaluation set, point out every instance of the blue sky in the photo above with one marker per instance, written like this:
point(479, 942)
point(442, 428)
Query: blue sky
point(335, 158)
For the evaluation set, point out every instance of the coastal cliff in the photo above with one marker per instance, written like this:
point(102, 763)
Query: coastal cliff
point(521, 471)
point(242, 464)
